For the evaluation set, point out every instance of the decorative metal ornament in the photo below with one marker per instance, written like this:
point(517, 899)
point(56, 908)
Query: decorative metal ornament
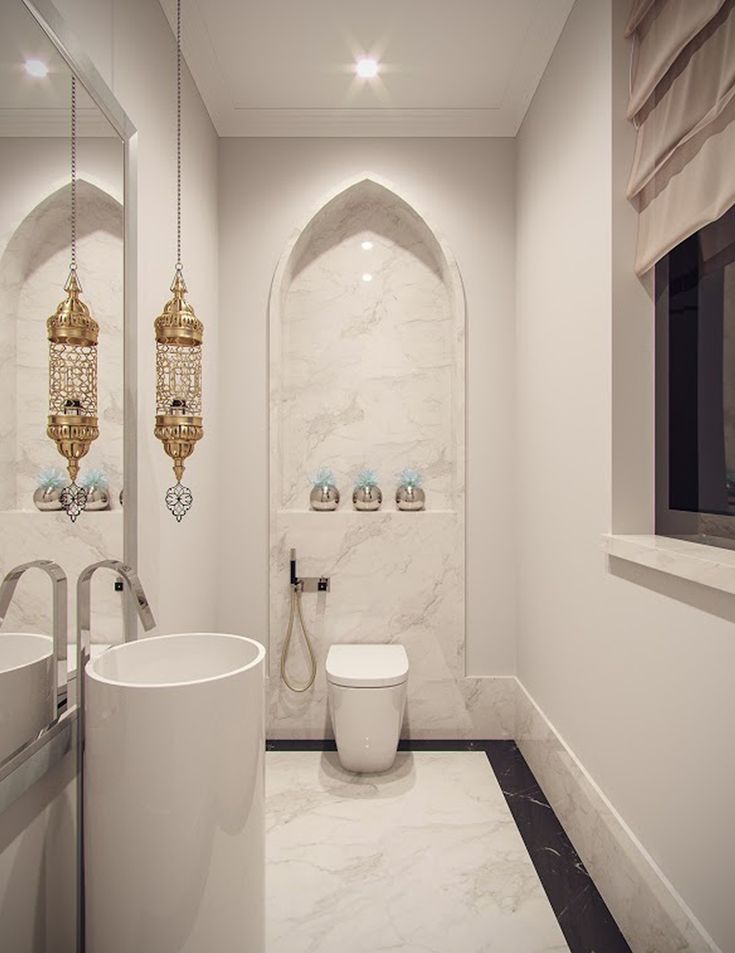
point(179, 335)
point(324, 497)
point(72, 335)
point(47, 498)
point(367, 498)
point(410, 498)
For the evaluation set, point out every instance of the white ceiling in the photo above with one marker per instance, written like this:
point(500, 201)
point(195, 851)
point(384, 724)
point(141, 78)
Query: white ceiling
point(449, 67)
point(32, 106)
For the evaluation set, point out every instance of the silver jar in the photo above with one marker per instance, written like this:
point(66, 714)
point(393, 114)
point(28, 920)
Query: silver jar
point(48, 497)
point(98, 498)
point(367, 497)
point(410, 498)
point(324, 497)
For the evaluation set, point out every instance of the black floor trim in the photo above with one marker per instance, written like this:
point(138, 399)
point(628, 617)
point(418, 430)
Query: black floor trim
point(587, 924)
point(404, 745)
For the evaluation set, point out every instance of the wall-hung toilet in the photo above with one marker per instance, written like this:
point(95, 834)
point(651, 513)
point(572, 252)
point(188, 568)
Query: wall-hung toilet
point(367, 698)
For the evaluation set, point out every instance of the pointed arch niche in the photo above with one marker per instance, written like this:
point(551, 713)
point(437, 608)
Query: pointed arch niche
point(33, 270)
point(367, 324)
point(367, 349)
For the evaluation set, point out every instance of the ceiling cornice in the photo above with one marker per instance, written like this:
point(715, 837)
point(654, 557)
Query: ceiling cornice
point(377, 122)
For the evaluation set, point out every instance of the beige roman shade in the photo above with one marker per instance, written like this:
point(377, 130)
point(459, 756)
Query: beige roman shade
point(682, 101)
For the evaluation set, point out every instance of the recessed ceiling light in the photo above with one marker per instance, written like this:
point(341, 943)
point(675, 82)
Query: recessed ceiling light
point(366, 68)
point(36, 68)
point(367, 276)
point(366, 245)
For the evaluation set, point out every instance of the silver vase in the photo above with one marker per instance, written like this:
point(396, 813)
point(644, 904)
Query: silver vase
point(367, 497)
point(410, 498)
point(324, 497)
point(98, 498)
point(48, 497)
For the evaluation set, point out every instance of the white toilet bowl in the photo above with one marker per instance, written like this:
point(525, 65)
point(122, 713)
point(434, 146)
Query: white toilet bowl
point(367, 698)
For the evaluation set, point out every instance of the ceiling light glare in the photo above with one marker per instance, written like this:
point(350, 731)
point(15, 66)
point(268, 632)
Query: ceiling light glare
point(366, 68)
point(36, 68)
point(367, 276)
point(366, 245)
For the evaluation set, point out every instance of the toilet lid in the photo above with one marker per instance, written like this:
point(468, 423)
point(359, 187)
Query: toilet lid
point(367, 666)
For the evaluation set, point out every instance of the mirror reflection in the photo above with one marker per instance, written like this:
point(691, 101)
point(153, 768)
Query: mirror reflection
point(35, 251)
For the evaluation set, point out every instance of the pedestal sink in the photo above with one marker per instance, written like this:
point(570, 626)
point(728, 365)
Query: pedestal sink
point(174, 799)
point(27, 688)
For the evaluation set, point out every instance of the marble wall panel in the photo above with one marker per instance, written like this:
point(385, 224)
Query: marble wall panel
point(33, 271)
point(34, 535)
point(43, 267)
point(367, 368)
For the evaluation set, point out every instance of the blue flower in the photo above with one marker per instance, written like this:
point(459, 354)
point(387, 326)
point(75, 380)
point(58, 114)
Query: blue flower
point(51, 478)
point(409, 476)
point(94, 480)
point(366, 477)
point(323, 477)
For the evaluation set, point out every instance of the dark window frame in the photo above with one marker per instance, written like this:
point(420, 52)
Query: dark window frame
point(705, 430)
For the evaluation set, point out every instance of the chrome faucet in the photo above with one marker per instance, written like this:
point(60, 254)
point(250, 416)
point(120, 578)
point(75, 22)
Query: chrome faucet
point(59, 624)
point(84, 608)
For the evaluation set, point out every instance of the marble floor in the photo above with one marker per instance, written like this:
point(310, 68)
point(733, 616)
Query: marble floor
point(424, 859)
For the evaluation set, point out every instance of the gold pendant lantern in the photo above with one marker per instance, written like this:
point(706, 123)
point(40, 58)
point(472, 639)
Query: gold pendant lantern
point(73, 334)
point(179, 335)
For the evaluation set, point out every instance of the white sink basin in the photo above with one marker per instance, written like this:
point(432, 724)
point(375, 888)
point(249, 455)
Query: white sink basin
point(27, 688)
point(174, 802)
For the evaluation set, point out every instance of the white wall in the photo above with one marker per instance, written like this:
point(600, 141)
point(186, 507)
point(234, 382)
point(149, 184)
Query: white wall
point(133, 47)
point(464, 188)
point(634, 672)
point(176, 561)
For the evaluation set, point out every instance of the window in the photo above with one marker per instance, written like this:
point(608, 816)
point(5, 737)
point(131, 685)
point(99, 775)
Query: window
point(695, 387)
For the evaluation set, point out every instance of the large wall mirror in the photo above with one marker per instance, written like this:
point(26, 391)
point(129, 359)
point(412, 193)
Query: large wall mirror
point(38, 58)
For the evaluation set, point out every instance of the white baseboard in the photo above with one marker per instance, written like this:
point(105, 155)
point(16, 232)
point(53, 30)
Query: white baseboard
point(650, 913)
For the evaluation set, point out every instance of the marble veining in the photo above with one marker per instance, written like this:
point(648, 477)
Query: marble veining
point(35, 535)
point(372, 372)
point(586, 922)
point(710, 566)
point(424, 859)
point(33, 271)
point(367, 371)
point(650, 915)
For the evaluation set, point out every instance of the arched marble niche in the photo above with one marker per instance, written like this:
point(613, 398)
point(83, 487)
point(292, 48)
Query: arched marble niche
point(367, 337)
point(33, 270)
point(370, 372)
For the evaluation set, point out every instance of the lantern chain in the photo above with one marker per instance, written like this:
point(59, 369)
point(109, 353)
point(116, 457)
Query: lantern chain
point(73, 174)
point(178, 136)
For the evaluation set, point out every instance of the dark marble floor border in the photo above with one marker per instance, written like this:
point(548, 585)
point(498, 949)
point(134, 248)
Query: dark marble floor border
point(586, 922)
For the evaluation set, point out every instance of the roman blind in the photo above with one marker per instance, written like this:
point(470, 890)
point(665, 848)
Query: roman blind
point(682, 102)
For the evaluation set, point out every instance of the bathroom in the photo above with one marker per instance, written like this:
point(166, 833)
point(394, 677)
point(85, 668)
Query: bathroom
point(433, 488)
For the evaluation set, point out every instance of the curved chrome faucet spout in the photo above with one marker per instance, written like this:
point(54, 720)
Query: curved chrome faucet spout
point(84, 609)
point(59, 630)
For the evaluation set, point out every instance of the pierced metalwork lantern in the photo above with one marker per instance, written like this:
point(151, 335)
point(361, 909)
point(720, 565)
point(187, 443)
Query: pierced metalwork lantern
point(179, 335)
point(73, 334)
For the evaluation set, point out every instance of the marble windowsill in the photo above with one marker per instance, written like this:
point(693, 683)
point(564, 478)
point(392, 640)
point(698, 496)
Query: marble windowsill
point(706, 565)
point(350, 511)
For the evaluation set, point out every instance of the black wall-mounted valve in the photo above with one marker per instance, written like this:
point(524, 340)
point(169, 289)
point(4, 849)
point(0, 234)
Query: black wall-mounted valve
point(310, 583)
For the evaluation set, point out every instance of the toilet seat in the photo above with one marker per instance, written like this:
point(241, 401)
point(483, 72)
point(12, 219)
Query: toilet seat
point(367, 666)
